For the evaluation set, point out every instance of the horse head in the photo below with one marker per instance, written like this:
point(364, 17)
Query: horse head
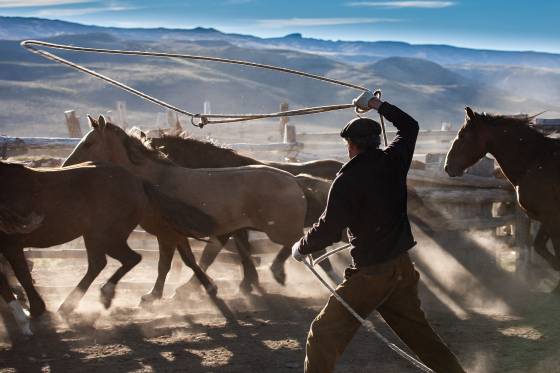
point(468, 147)
point(102, 143)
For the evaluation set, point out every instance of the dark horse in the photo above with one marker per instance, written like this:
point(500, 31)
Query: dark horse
point(528, 159)
point(102, 203)
point(314, 178)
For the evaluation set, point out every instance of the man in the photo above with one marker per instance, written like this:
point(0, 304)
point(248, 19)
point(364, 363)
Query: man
point(369, 198)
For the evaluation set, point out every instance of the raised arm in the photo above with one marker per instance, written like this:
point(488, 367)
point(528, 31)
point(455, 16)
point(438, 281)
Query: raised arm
point(402, 146)
point(404, 142)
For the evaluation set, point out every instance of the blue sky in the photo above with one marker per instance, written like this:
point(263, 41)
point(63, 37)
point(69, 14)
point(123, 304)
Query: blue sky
point(491, 24)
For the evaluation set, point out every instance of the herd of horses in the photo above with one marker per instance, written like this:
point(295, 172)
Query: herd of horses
point(176, 188)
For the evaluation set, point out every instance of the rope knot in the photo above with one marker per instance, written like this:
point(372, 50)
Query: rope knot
point(203, 120)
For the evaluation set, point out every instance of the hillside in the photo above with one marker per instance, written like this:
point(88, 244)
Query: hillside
point(17, 28)
point(35, 92)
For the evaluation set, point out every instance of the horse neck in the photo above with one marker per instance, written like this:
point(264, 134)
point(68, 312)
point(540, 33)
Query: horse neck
point(514, 148)
point(148, 169)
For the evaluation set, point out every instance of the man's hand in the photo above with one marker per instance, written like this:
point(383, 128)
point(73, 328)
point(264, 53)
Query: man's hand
point(362, 101)
point(366, 101)
point(296, 254)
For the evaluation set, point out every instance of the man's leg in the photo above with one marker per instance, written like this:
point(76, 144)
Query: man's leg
point(334, 326)
point(404, 315)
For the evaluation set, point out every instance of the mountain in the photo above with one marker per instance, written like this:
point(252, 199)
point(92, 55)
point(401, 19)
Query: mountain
point(35, 92)
point(18, 28)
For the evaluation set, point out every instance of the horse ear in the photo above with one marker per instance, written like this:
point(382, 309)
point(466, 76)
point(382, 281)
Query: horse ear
point(470, 113)
point(92, 122)
point(102, 122)
point(143, 135)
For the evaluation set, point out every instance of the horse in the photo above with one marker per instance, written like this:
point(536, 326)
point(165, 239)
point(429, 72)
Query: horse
point(261, 198)
point(314, 178)
point(529, 160)
point(101, 203)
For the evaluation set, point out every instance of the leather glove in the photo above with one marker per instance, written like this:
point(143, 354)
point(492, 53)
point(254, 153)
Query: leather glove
point(296, 254)
point(362, 101)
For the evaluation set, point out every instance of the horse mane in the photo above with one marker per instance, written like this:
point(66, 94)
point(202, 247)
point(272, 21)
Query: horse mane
point(136, 149)
point(175, 146)
point(517, 122)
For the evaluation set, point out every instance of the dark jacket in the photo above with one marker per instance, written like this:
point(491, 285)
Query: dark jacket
point(369, 197)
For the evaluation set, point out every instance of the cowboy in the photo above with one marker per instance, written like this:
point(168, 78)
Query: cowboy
point(369, 198)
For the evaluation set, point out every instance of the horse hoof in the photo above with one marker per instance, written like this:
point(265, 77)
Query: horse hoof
point(65, 310)
point(22, 318)
point(245, 287)
point(278, 273)
point(107, 294)
point(37, 310)
point(148, 300)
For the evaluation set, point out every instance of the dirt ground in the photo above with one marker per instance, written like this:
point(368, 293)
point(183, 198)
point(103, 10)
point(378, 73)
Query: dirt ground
point(490, 318)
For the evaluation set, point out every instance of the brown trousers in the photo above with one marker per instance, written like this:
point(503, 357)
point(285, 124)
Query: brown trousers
point(392, 289)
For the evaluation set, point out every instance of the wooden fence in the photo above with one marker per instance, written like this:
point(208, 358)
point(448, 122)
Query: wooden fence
point(464, 203)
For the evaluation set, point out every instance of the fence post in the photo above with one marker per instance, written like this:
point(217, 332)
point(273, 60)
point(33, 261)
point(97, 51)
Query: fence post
point(284, 106)
point(109, 116)
point(173, 122)
point(121, 115)
point(73, 124)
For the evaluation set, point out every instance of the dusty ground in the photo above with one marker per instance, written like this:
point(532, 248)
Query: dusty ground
point(493, 322)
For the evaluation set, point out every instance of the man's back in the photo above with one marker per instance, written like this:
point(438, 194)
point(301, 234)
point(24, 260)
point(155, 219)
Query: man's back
point(369, 197)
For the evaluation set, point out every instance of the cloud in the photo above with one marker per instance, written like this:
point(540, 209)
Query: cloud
point(69, 12)
point(404, 4)
point(314, 22)
point(38, 3)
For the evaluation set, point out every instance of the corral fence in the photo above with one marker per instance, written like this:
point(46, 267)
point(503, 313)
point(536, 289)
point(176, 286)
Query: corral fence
point(473, 202)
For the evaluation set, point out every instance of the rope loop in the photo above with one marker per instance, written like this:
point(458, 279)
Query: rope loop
point(203, 120)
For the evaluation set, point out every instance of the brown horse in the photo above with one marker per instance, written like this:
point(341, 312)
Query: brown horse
point(528, 159)
point(256, 197)
point(193, 153)
point(102, 203)
point(314, 178)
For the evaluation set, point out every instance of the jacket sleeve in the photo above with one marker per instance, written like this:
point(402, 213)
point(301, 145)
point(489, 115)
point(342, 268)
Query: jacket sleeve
point(333, 221)
point(402, 146)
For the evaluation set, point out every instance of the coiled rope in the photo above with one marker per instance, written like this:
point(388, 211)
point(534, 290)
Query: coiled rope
point(203, 119)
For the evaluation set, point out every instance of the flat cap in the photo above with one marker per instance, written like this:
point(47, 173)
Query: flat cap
point(361, 127)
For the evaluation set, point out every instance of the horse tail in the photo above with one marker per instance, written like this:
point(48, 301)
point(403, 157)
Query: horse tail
point(316, 191)
point(181, 217)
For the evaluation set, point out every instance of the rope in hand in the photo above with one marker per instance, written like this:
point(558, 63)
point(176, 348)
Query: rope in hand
point(203, 119)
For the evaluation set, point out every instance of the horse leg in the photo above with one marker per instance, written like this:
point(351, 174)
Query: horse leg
point(277, 266)
point(20, 315)
point(556, 244)
point(540, 247)
point(208, 256)
point(166, 250)
point(188, 258)
point(96, 263)
point(129, 259)
point(250, 275)
point(19, 265)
